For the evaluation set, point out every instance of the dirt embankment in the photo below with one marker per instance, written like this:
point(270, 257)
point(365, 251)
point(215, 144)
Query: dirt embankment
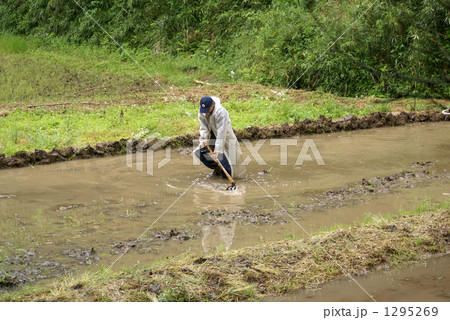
point(321, 125)
point(271, 268)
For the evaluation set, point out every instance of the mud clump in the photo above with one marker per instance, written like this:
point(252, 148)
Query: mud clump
point(307, 126)
point(422, 164)
point(84, 257)
point(174, 234)
point(223, 217)
point(27, 267)
point(200, 260)
point(153, 242)
point(7, 281)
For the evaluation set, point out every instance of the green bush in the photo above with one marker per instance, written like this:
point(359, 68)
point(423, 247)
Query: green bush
point(272, 42)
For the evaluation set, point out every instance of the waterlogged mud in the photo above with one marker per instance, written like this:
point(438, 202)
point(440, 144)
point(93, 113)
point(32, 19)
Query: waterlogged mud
point(422, 164)
point(224, 217)
point(307, 126)
point(86, 257)
point(28, 267)
point(152, 242)
point(375, 185)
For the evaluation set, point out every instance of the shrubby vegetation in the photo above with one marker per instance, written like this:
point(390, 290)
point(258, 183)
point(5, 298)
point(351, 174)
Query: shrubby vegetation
point(396, 48)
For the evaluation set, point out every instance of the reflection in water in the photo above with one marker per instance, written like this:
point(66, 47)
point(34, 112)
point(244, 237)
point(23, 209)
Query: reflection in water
point(218, 236)
point(212, 196)
point(218, 232)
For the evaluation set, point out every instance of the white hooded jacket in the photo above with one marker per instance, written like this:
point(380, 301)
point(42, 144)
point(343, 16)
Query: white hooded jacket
point(226, 142)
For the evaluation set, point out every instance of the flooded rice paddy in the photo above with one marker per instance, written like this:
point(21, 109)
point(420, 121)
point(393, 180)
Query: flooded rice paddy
point(85, 214)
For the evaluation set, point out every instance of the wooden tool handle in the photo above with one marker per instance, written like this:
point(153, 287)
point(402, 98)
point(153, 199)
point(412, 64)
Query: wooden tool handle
point(218, 162)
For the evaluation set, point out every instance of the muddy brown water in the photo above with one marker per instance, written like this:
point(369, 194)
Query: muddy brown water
point(80, 215)
point(423, 281)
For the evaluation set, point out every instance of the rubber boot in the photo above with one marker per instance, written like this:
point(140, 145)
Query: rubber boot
point(217, 171)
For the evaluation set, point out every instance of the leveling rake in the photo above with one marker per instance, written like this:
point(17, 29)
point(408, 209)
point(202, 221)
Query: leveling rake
point(233, 185)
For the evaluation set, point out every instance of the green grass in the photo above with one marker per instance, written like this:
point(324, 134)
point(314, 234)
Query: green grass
point(425, 206)
point(13, 44)
point(99, 85)
point(263, 112)
point(38, 70)
point(47, 129)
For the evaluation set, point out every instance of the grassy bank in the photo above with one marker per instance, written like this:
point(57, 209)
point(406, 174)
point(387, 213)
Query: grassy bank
point(41, 128)
point(78, 125)
point(270, 268)
point(54, 95)
point(36, 70)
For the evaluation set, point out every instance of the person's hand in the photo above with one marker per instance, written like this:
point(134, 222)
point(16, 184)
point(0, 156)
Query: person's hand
point(214, 155)
point(205, 143)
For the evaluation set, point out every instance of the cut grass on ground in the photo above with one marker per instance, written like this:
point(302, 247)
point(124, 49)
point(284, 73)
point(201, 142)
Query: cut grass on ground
point(271, 268)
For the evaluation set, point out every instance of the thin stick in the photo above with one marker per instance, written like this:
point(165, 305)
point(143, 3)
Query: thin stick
point(220, 165)
point(62, 104)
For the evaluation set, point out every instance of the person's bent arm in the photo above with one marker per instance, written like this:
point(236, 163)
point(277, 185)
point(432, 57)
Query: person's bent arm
point(204, 132)
point(222, 122)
